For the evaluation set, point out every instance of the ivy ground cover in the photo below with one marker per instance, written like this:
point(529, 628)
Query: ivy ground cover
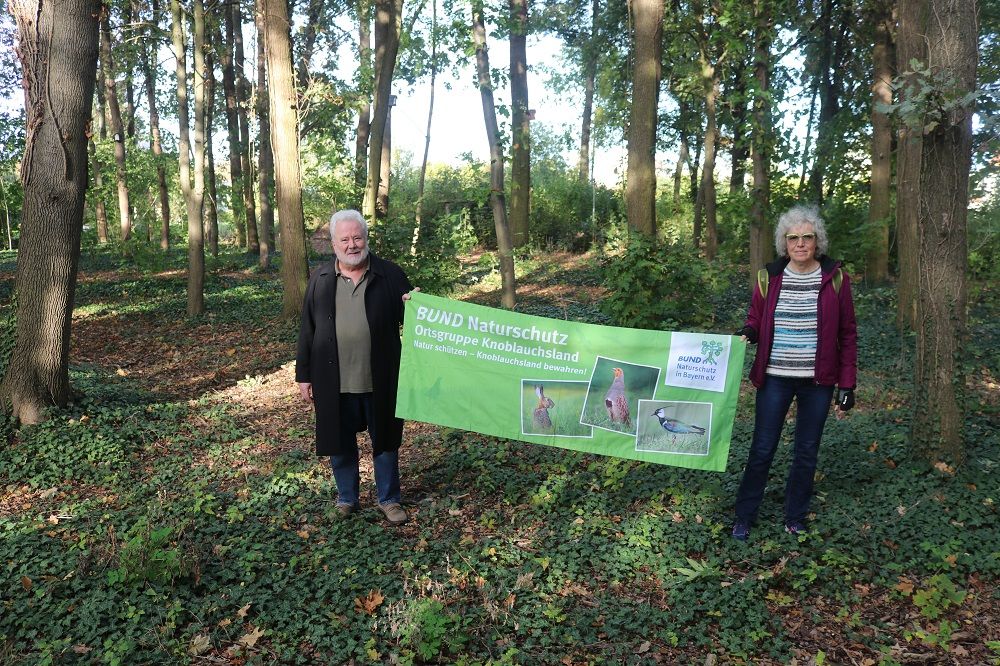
point(176, 514)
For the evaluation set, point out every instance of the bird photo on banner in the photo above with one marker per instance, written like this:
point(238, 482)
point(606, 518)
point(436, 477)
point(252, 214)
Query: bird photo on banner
point(616, 387)
point(674, 427)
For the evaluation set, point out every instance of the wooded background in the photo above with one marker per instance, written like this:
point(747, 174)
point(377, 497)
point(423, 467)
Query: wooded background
point(894, 138)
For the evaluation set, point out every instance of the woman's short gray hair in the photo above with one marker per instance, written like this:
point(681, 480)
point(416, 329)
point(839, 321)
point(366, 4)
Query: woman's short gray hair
point(800, 215)
point(345, 215)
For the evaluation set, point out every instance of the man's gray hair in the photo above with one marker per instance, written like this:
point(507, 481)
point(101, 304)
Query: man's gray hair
point(800, 215)
point(344, 216)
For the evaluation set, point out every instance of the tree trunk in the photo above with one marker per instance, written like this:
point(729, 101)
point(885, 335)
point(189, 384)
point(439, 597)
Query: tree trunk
point(640, 179)
point(520, 165)
point(242, 112)
point(149, 76)
point(308, 43)
point(761, 140)
point(193, 192)
point(265, 168)
point(365, 110)
point(697, 195)
point(589, 81)
point(227, 50)
point(285, 143)
point(683, 155)
point(57, 47)
point(943, 33)
point(505, 248)
point(741, 147)
point(129, 12)
point(711, 81)
point(117, 129)
point(100, 211)
point(388, 22)
point(824, 87)
point(211, 193)
point(877, 264)
point(418, 217)
point(908, 167)
point(385, 170)
point(807, 146)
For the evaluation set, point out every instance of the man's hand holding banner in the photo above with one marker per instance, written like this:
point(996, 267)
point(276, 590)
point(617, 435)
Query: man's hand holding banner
point(668, 398)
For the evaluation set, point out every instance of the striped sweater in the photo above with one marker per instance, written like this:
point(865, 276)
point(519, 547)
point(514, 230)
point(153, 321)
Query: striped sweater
point(793, 353)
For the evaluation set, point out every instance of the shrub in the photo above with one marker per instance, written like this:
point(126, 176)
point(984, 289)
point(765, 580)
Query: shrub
point(656, 286)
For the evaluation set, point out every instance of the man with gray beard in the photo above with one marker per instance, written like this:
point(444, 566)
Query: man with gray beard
point(347, 362)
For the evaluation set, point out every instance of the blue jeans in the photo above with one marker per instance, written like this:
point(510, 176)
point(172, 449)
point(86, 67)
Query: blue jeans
point(773, 400)
point(355, 416)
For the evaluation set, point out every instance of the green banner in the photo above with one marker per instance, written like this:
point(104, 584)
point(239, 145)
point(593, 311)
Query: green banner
point(666, 398)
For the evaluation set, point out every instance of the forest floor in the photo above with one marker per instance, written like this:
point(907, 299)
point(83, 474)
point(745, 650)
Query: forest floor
point(175, 513)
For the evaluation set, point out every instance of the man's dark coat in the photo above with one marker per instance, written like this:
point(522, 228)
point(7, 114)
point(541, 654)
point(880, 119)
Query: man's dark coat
point(316, 360)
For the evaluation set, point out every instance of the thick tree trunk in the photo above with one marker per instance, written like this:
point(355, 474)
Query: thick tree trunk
point(418, 217)
point(130, 10)
point(193, 192)
point(520, 165)
point(711, 81)
point(640, 183)
point(365, 110)
point(761, 140)
point(265, 167)
point(117, 128)
point(877, 264)
point(589, 82)
point(944, 34)
point(227, 49)
point(57, 47)
point(285, 143)
point(388, 23)
point(149, 76)
point(505, 247)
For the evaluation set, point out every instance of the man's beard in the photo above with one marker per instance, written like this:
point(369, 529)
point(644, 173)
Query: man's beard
point(352, 260)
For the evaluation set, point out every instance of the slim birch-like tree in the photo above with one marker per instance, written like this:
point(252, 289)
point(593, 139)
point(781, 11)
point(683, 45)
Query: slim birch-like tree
point(194, 191)
point(505, 248)
point(117, 127)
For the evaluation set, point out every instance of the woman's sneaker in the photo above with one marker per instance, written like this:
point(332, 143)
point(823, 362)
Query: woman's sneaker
point(741, 530)
point(796, 528)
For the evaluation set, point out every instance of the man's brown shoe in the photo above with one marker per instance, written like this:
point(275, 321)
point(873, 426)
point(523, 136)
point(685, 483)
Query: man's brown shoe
point(394, 513)
point(346, 509)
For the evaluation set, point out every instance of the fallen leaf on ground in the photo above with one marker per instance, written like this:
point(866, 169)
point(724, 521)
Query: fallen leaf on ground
point(250, 639)
point(200, 644)
point(369, 603)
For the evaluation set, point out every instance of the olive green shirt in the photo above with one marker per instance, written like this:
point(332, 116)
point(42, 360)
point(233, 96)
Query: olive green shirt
point(354, 340)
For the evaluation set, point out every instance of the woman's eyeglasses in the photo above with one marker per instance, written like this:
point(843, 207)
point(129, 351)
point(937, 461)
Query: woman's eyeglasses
point(794, 238)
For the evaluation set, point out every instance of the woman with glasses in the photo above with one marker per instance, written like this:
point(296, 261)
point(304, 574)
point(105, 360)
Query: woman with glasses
point(802, 320)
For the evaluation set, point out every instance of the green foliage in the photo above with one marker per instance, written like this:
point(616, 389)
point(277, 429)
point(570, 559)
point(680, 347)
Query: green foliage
point(656, 286)
point(435, 267)
point(431, 631)
point(177, 529)
point(148, 555)
point(930, 97)
point(984, 239)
